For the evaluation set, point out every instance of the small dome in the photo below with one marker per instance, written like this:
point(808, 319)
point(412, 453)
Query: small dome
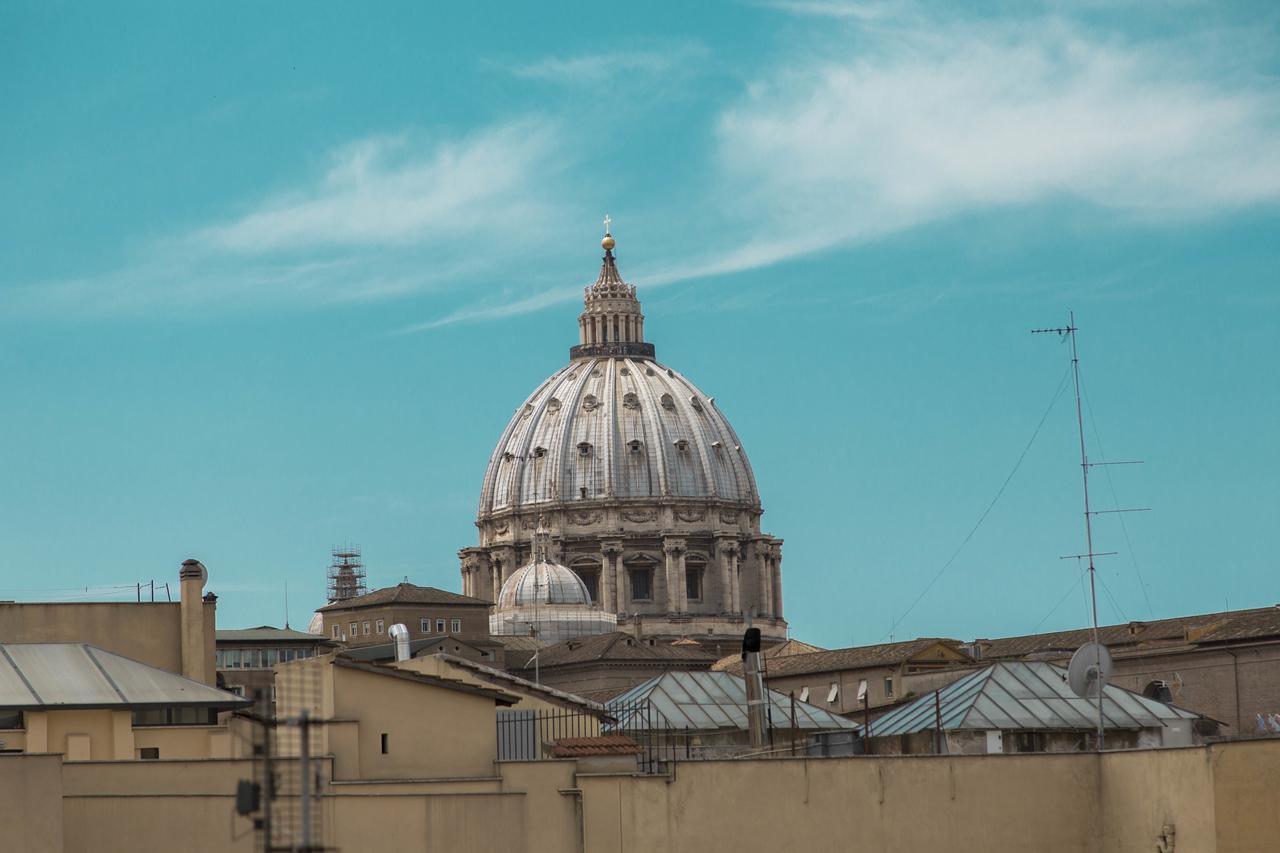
point(316, 626)
point(543, 582)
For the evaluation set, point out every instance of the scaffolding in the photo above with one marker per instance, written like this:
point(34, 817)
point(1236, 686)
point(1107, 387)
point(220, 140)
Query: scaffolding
point(346, 574)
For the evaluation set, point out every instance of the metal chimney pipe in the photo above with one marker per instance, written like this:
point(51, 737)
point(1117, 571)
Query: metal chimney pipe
point(400, 636)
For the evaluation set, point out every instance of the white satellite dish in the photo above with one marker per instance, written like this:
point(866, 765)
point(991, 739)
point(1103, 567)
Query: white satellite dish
point(1090, 668)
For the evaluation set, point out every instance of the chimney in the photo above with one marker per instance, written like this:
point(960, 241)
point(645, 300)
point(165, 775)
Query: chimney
point(637, 625)
point(400, 637)
point(195, 646)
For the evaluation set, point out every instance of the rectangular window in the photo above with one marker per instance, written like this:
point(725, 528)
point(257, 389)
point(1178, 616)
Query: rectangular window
point(888, 687)
point(337, 632)
point(355, 632)
point(10, 719)
point(641, 584)
point(366, 629)
point(834, 693)
point(693, 584)
point(149, 753)
point(804, 694)
point(439, 626)
point(457, 626)
point(384, 743)
point(273, 657)
point(425, 626)
point(286, 655)
point(219, 659)
point(381, 626)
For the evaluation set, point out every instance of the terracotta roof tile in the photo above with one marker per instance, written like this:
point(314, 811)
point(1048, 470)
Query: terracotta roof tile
point(405, 593)
point(578, 747)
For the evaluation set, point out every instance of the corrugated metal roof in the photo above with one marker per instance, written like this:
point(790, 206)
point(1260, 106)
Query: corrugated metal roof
point(1016, 695)
point(77, 675)
point(708, 701)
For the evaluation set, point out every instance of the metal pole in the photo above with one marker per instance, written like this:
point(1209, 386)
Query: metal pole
point(153, 592)
point(937, 721)
point(1088, 523)
point(304, 790)
point(793, 722)
point(866, 720)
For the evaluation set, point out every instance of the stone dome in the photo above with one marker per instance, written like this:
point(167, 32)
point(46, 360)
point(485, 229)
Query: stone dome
point(616, 428)
point(540, 583)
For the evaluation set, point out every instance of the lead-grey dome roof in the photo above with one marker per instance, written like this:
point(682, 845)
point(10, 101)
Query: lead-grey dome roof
point(543, 582)
point(616, 427)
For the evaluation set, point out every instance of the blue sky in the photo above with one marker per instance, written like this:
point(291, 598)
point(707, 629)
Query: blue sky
point(274, 277)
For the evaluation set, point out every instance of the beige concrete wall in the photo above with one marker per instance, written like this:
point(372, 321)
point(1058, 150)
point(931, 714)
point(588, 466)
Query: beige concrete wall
point(475, 621)
point(1219, 799)
point(31, 816)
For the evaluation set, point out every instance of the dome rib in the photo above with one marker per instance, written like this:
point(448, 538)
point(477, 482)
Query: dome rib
point(699, 472)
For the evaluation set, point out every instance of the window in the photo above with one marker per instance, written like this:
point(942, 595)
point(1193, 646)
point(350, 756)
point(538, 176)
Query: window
point(149, 753)
point(354, 630)
point(219, 659)
point(384, 743)
point(804, 694)
point(368, 629)
point(425, 626)
point(286, 655)
point(237, 689)
point(1030, 742)
point(175, 717)
point(588, 571)
point(273, 657)
point(439, 626)
point(693, 574)
point(456, 626)
point(834, 693)
point(337, 635)
point(10, 719)
point(381, 626)
point(888, 688)
point(641, 584)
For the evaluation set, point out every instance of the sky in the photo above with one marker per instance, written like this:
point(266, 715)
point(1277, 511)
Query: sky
point(273, 277)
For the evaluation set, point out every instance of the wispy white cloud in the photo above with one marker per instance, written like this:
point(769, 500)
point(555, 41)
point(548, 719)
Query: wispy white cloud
point(929, 123)
point(600, 68)
point(386, 217)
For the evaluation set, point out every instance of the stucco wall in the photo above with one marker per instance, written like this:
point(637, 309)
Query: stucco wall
point(1219, 799)
point(31, 803)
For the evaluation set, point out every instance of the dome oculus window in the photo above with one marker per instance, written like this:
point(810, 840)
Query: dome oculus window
point(539, 452)
point(681, 444)
point(589, 403)
point(668, 402)
point(584, 448)
point(553, 405)
point(630, 401)
point(635, 445)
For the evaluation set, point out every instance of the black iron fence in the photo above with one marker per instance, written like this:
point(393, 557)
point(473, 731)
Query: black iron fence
point(531, 735)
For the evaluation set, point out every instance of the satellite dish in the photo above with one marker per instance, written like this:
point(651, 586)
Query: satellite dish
point(1090, 667)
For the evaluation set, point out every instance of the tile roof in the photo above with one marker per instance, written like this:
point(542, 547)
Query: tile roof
point(620, 646)
point(708, 701)
point(836, 660)
point(405, 593)
point(52, 676)
point(1235, 625)
point(517, 684)
point(1021, 695)
point(580, 747)
point(502, 697)
point(266, 634)
point(375, 652)
point(783, 649)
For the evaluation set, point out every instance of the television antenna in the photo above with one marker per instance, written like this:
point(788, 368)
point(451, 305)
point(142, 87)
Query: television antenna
point(1094, 649)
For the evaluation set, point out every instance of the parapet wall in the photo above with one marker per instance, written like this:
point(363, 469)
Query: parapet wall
point(1217, 799)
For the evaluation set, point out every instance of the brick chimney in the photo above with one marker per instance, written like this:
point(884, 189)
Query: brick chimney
point(196, 651)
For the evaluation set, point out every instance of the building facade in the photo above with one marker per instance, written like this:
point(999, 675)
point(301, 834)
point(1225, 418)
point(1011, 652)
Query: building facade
point(424, 610)
point(644, 485)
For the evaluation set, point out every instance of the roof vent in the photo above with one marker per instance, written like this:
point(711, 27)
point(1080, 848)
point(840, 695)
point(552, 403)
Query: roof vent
point(681, 444)
point(584, 448)
point(671, 373)
point(634, 445)
point(539, 452)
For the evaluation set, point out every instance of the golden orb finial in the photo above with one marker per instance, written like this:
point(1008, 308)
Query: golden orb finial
point(607, 243)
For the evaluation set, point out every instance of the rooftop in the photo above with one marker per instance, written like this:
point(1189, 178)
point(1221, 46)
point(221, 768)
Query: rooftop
point(1022, 695)
point(405, 593)
point(709, 701)
point(620, 646)
point(53, 676)
point(266, 634)
point(857, 657)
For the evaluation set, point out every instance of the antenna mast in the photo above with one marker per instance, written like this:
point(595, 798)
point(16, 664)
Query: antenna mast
point(1070, 331)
